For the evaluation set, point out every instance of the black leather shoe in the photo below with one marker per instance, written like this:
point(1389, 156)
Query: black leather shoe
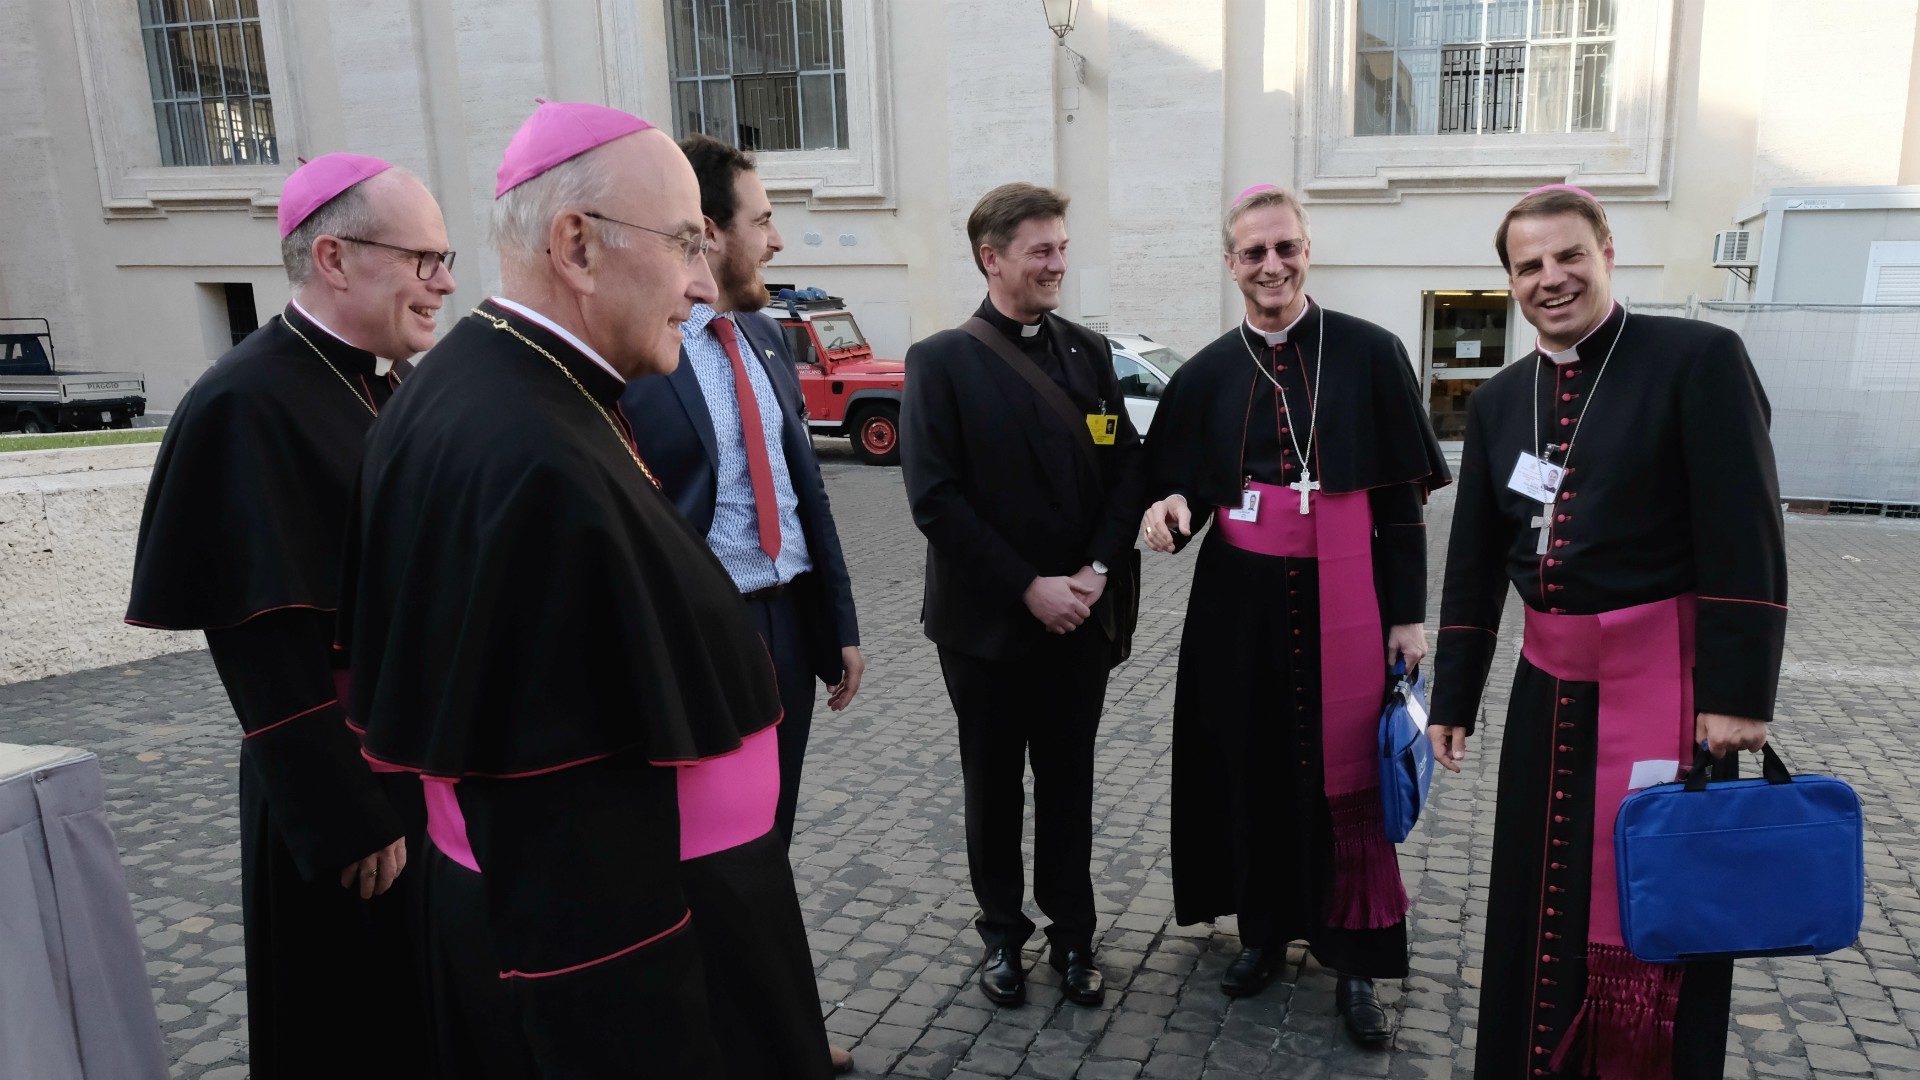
point(1251, 971)
point(1002, 979)
point(1366, 1020)
point(1080, 981)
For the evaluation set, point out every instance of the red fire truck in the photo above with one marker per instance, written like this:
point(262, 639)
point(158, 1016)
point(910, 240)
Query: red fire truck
point(848, 393)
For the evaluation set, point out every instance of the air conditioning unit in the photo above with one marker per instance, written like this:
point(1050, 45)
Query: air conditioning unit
point(1734, 248)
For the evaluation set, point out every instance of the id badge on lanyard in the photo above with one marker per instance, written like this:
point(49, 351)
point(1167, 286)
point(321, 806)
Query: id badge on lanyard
point(1103, 426)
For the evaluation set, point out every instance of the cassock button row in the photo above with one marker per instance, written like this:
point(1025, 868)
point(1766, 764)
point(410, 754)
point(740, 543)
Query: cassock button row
point(1563, 517)
point(1555, 890)
point(1568, 373)
point(1555, 588)
point(1561, 543)
point(1566, 725)
point(1557, 611)
point(1283, 431)
point(1566, 701)
point(1568, 396)
point(1553, 562)
point(1565, 420)
point(1565, 495)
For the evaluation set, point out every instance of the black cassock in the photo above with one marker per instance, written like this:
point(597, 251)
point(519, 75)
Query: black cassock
point(529, 616)
point(1671, 491)
point(241, 538)
point(1252, 831)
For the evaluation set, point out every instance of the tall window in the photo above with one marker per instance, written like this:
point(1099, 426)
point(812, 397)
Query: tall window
point(760, 74)
point(1438, 67)
point(208, 76)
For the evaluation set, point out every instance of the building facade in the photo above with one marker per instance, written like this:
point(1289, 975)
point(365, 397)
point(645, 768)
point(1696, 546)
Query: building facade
point(148, 138)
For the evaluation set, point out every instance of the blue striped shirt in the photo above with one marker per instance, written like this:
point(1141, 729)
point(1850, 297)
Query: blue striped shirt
point(734, 535)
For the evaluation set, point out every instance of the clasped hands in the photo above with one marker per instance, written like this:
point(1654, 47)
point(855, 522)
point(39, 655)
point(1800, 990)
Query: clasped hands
point(1062, 603)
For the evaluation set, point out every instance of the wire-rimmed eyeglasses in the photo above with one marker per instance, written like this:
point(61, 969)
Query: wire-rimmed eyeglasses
point(694, 244)
point(1257, 254)
point(426, 262)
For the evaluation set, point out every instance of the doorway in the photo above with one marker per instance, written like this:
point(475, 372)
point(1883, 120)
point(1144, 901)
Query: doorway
point(1466, 344)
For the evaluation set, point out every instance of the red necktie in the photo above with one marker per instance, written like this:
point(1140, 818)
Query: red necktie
point(759, 465)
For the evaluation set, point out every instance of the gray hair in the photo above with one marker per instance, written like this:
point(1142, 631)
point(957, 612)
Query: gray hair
point(349, 213)
point(1260, 200)
point(523, 217)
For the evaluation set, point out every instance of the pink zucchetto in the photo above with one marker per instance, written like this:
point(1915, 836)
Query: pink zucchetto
point(1254, 190)
point(1580, 191)
point(560, 131)
point(315, 183)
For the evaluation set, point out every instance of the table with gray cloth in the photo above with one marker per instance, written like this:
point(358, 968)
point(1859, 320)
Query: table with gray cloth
point(74, 1001)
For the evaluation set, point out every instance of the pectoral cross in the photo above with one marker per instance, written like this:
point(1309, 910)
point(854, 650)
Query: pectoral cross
point(1305, 484)
point(1544, 523)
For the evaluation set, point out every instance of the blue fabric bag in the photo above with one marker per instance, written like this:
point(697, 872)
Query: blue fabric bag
point(1406, 757)
point(1770, 866)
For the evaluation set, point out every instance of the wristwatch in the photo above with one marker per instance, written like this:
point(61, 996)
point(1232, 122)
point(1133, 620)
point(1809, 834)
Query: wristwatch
point(1098, 567)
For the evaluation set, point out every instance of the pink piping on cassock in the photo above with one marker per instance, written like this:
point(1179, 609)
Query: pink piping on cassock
point(1642, 659)
point(1338, 536)
point(288, 720)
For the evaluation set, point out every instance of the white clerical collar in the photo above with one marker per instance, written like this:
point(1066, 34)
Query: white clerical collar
point(1031, 331)
point(564, 334)
point(381, 365)
point(1279, 337)
point(1572, 352)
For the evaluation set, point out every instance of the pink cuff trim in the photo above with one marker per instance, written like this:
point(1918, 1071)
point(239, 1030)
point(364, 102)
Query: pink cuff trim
point(636, 946)
point(262, 731)
point(1737, 600)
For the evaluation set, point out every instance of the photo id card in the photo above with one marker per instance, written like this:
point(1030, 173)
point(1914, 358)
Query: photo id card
point(1538, 480)
point(1103, 427)
point(1249, 506)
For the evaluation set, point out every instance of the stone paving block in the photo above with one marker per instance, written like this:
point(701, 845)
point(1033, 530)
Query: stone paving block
point(880, 853)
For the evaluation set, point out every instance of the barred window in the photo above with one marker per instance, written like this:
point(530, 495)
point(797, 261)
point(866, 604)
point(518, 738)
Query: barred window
point(208, 75)
point(760, 74)
point(1439, 67)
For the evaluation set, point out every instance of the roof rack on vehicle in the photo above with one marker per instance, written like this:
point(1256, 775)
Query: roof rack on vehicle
point(808, 299)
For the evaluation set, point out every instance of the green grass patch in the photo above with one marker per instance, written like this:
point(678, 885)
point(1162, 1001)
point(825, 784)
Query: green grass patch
point(63, 440)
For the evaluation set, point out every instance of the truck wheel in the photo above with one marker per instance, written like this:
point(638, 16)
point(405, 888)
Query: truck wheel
point(876, 434)
point(31, 424)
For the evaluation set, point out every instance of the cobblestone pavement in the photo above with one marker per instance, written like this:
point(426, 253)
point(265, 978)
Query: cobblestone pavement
point(881, 864)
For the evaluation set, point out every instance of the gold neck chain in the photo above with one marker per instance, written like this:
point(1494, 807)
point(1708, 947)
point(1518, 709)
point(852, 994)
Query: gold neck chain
point(499, 323)
point(336, 371)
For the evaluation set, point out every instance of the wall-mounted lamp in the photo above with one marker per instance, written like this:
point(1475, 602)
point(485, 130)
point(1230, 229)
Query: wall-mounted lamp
point(1060, 15)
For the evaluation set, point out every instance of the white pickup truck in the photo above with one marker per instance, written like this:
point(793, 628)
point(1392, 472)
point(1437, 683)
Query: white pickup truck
point(35, 397)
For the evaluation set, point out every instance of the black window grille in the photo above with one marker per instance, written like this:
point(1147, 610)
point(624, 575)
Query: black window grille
point(760, 74)
point(207, 71)
point(1480, 67)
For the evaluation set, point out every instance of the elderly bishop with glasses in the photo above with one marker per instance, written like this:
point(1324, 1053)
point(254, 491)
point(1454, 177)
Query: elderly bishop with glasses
point(1300, 435)
point(241, 538)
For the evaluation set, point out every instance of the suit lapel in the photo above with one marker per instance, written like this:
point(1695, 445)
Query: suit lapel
point(686, 385)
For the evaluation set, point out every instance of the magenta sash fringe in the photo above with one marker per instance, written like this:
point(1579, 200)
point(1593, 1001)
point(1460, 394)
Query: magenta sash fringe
point(1642, 659)
point(1367, 891)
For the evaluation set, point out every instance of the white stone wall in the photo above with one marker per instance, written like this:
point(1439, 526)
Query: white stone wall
point(68, 519)
point(1835, 95)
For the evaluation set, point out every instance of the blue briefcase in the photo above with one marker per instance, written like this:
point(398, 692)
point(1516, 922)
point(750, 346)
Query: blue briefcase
point(1770, 866)
point(1406, 757)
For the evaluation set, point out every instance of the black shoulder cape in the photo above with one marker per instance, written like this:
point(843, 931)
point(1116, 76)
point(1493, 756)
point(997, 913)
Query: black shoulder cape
point(247, 505)
point(1373, 428)
point(519, 597)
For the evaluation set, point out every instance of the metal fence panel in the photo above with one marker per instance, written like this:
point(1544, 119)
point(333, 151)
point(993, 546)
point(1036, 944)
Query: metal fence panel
point(1844, 382)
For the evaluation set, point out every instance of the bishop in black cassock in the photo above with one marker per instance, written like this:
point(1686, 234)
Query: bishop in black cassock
point(1657, 557)
point(540, 638)
point(1313, 410)
point(241, 538)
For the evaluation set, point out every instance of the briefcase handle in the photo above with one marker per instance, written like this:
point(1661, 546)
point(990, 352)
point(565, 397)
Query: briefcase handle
point(1771, 767)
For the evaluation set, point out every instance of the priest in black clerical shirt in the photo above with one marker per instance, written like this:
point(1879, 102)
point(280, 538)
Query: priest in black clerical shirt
point(1022, 469)
point(241, 538)
point(1622, 478)
point(1300, 435)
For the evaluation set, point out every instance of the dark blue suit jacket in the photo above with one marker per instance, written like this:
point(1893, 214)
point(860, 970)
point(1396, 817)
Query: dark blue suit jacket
point(675, 433)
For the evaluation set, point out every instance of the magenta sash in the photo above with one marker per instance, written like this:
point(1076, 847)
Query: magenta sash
point(1338, 534)
point(446, 824)
point(724, 802)
point(1642, 659)
point(729, 800)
